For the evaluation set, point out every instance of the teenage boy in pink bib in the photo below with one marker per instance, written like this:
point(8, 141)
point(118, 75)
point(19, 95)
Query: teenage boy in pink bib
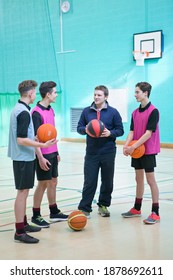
point(144, 128)
point(47, 159)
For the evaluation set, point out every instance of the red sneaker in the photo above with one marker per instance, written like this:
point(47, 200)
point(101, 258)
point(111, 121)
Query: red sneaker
point(132, 213)
point(152, 219)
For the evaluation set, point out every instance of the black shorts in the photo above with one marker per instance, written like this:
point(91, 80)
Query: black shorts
point(147, 162)
point(24, 174)
point(51, 173)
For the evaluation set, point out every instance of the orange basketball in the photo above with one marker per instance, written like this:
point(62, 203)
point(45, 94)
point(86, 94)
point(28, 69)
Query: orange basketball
point(77, 220)
point(46, 132)
point(138, 152)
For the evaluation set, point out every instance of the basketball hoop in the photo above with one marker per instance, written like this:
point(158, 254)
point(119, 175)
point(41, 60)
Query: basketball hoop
point(139, 56)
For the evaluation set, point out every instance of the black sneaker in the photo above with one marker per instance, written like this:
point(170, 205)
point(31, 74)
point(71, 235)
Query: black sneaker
point(58, 217)
point(30, 228)
point(40, 222)
point(25, 238)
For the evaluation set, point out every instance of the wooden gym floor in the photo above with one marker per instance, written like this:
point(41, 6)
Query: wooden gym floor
point(113, 238)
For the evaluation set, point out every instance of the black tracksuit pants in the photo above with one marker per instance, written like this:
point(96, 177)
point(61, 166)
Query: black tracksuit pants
point(92, 164)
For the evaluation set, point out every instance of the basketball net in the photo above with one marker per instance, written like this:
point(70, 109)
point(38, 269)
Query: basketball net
point(139, 56)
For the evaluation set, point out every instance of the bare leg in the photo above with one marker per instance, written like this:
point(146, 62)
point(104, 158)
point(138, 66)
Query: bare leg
point(139, 182)
point(51, 191)
point(20, 205)
point(136, 210)
point(153, 186)
point(39, 192)
point(154, 217)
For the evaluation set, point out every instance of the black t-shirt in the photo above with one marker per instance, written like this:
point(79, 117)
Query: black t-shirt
point(23, 121)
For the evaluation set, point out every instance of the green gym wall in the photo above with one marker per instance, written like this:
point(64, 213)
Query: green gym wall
point(90, 45)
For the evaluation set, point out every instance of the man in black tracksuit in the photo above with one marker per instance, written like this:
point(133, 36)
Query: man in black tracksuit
point(100, 152)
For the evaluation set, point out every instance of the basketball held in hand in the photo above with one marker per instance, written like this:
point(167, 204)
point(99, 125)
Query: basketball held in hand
point(95, 128)
point(46, 132)
point(138, 152)
point(77, 220)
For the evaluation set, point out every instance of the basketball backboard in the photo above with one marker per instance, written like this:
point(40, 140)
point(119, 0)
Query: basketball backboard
point(150, 42)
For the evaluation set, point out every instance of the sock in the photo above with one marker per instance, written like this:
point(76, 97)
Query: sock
point(20, 228)
point(155, 208)
point(138, 204)
point(36, 212)
point(25, 220)
point(54, 209)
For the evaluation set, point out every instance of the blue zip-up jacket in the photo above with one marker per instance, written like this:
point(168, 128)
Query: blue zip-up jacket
point(112, 121)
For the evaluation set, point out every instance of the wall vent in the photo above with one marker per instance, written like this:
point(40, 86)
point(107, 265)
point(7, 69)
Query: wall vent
point(74, 118)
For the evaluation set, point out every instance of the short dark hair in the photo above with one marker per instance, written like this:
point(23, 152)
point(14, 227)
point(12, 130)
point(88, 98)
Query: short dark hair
point(26, 85)
point(104, 89)
point(144, 86)
point(46, 87)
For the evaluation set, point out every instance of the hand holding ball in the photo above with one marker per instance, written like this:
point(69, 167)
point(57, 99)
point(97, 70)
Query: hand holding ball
point(46, 132)
point(138, 152)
